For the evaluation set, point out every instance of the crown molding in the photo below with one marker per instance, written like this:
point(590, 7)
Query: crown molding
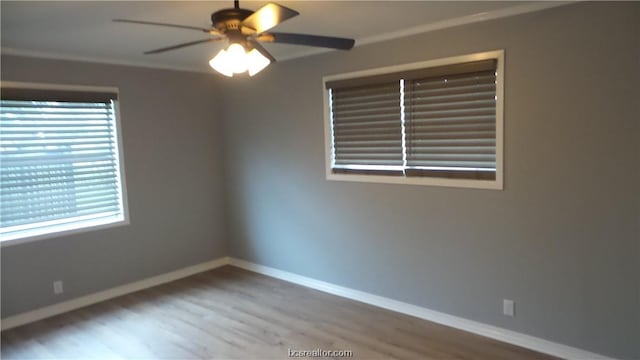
point(108, 61)
point(464, 20)
point(420, 29)
point(444, 24)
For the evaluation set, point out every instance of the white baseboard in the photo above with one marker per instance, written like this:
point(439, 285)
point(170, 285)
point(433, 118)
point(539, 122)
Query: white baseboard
point(507, 336)
point(490, 331)
point(66, 306)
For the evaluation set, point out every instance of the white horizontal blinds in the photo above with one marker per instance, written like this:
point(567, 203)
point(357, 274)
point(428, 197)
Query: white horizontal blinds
point(367, 134)
point(451, 122)
point(58, 160)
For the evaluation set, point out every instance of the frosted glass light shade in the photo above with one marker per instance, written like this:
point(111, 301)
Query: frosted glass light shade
point(235, 60)
point(256, 62)
point(221, 64)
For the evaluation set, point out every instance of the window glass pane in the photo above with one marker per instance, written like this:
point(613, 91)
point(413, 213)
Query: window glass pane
point(451, 125)
point(367, 134)
point(419, 121)
point(58, 166)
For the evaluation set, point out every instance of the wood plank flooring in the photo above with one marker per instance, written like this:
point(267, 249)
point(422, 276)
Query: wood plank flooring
point(229, 313)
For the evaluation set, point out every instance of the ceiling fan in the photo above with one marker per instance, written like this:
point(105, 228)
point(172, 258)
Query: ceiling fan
point(245, 30)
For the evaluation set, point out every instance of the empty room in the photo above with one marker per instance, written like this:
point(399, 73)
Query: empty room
point(320, 179)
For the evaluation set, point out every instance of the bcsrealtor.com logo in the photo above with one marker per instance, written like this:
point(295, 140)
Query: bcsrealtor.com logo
point(319, 353)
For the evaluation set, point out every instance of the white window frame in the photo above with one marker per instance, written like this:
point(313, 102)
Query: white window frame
point(89, 225)
point(496, 184)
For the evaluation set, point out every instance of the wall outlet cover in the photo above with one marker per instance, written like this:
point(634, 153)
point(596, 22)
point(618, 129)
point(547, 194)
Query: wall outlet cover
point(508, 307)
point(57, 287)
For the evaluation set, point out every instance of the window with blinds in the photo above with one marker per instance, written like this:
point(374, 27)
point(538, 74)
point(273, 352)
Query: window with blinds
point(438, 120)
point(59, 160)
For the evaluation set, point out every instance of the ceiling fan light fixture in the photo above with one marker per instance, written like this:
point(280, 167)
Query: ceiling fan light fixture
point(236, 60)
point(256, 62)
point(221, 64)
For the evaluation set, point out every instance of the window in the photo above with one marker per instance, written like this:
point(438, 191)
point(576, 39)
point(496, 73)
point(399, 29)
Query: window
point(60, 160)
point(432, 123)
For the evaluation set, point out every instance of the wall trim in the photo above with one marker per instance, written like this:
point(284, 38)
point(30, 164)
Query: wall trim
point(52, 55)
point(444, 24)
point(490, 331)
point(80, 302)
point(518, 9)
point(419, 29)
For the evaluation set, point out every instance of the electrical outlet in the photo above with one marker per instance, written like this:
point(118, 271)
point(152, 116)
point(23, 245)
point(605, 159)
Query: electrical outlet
point(57, 287)
point(508, 307)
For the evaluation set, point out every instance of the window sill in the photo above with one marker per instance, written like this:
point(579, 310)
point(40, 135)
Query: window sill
point(428, 181)
point(60, 231)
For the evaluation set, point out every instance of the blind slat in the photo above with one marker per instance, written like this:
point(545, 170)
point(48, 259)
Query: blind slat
point(367, 111)
point(356, 103)
point(453, 124)
point(458, 135)
point(478, 95)
point(71, 159)
point(379, 129)
point(454, 120)
point(455, 164)
point(26, 182)
point(364, 149)
point(45, 130)
point(30, 135)
point(58, 187)
point(368, 162)
point(455, 90)
point(454, 150)
point(39, 196)
point(69, 200)
point(58, 141)
point(367, 124)
point(458, 105)
point(367, 119)
point(424, 115)
point(454, 157)
point(365, 138)
point(368, 143)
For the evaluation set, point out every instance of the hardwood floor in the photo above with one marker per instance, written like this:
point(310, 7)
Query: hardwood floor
point(229, 313)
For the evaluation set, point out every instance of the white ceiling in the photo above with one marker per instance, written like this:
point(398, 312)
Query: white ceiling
point(84, 30)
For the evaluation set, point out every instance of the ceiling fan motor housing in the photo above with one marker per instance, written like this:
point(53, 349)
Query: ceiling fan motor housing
point(229, 19)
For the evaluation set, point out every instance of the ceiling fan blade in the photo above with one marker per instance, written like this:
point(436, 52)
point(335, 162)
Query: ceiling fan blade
point(256, 45)
point(268, 16)
point(309, 40)
point(182, 45)
point(208, 31)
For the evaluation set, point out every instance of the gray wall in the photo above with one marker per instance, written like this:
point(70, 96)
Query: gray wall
point(172, 148)
point(562, 239)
